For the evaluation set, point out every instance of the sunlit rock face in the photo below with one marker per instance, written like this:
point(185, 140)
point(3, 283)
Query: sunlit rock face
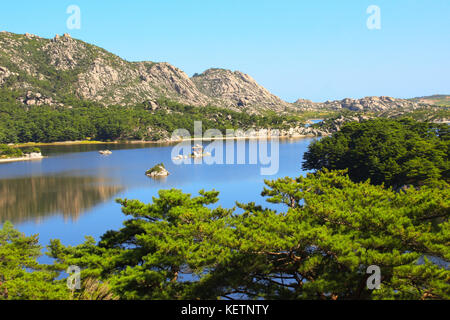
point(71, 66)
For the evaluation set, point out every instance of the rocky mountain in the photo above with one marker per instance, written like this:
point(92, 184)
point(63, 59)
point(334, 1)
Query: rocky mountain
point(371, 104)
point(236, 89)
point(54, 71)
point(61, 70)
point(440, 100)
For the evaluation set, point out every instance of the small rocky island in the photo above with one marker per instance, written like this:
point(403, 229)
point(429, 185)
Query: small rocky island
point(11, 154)
point(157, 171)
point(197, 152)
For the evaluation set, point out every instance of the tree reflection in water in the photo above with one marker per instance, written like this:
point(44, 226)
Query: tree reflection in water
point(34, 198)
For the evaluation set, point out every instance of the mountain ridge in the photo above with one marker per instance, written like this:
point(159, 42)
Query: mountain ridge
point(56, 71)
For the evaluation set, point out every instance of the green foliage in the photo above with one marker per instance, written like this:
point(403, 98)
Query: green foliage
point(436, 114)
point(21, 276)
point(9, 152)
point(179, 247)
point(439, 100)
point(145, 259)
point(88, 120)
point(393, 152)
point(31, 150)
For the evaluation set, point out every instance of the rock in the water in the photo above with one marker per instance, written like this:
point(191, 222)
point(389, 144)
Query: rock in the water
point(157, 171)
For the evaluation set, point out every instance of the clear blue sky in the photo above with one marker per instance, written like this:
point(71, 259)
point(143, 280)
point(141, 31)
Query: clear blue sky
point(314, 49)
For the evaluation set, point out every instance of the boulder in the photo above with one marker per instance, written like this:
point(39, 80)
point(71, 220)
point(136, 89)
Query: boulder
point(157, 171)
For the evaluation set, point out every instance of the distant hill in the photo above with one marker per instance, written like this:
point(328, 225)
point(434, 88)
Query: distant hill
point(236, 89)
point(440, 100)
point(63, 70)
point(367, 104)
point(58, 70)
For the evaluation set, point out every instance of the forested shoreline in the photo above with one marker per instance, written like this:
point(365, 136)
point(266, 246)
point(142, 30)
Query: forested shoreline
point(91, 121)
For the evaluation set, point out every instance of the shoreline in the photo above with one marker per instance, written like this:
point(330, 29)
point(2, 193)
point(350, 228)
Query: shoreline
point(68, 143)
point(168, 141)
point(163, 142)
point(7, 160)
point(58, 143)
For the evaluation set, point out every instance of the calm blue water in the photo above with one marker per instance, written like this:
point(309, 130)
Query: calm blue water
point(72, 193)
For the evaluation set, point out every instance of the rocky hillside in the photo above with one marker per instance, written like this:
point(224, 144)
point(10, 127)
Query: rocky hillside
point(440, 100)
point(62, 70)
point(58, 70)
point(236, 89)
point(367, 104)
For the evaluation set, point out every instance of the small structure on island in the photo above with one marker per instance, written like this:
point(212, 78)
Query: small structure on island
point(157, 171)
point(105, 152)
point(197, 152)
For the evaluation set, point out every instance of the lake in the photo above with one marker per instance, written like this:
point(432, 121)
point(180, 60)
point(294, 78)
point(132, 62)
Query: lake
point(72, 192)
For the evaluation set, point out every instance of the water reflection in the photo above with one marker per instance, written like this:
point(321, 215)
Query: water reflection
point(33, 198)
